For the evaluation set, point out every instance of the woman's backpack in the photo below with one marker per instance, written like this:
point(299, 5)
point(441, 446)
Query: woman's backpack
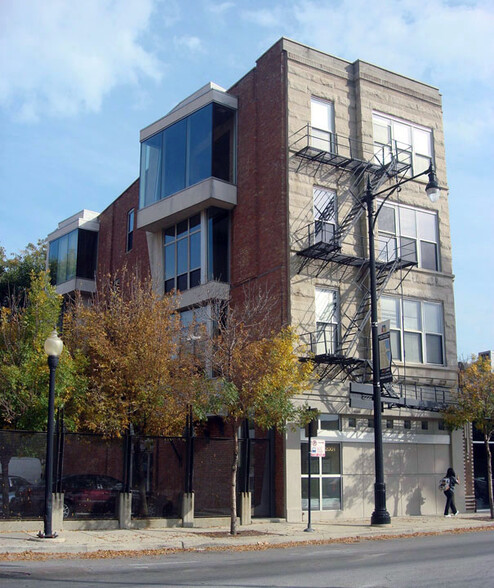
point(444, 484)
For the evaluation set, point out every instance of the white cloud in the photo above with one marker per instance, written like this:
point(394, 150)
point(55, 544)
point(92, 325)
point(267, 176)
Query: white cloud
point(65, 57)
point(189, 42)
point(439, 39)
point(220, 8)
point(263, 17)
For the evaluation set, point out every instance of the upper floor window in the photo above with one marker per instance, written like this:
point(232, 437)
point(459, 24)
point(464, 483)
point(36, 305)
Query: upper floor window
point(184, 244)
point(408, 142)
point(322, 125)
point(183, 254)
point(197, 147)
point(324, 214)
point(326, 321)
point(417, 329)
point(130, 229)
point(408, 233)
point(73, 255)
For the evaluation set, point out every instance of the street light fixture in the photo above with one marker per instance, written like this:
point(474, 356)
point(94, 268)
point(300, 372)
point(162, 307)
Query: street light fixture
point(53, 349)
point(380, 516)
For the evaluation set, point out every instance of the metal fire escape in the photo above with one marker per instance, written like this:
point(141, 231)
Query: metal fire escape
point(339, 357)
point(346, 355)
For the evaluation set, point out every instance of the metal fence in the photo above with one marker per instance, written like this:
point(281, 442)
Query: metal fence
point(91, 471)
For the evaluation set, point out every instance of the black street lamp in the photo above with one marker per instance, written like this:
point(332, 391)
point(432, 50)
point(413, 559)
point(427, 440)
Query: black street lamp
point(380, 516)
point(53, 349)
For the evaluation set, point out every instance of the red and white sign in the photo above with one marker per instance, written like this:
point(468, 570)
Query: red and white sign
point(317, 448)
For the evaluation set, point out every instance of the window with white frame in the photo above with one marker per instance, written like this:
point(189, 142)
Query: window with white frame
point(409, 142)
point(417, 329)
point(409, 233)
point(326, 321)
point(322, 124)
point(325, 491)
point(324, 202)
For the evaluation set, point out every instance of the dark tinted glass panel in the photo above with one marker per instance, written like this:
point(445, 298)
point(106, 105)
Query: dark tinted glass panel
point(87, 248)
point(194, 221)
point(195, 278)
point(195, 250)
point(182, 261)
point(314, 461)
point(169, 261)
point(331, 493)
point(331, 463)
point(199, 147)
point(223, 143)
point(169, 234)
point(182, 282)
point(174, 153)
point(150, 170)
point(169, 285)
point(218, 245)
point(428, 252)
point(182, 228)
point(314, 494)
point(72, 255)
point(53, 261)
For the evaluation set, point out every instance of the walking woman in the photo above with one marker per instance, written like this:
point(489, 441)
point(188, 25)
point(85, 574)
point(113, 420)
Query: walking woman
point(449, 492)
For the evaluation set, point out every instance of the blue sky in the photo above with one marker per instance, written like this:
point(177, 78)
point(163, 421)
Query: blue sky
point(80, 78)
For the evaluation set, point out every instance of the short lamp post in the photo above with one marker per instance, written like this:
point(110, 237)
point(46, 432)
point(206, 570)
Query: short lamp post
point(53, 349)
point(380, 516)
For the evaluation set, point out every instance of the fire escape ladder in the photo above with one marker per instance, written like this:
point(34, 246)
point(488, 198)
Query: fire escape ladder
point(360, 318)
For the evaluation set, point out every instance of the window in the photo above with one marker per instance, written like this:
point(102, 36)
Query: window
point(370, 423)
point(417, 329)
point(352, 423)
point(324, 215)
point(389, 423)
point(322, 122)
point(329, 422)
point(326, 338)
point(409, 143)
point(182, 244)
point(218, 244)
point(130, 229)
point(407, 424)
point(425, 425)
point(197, 147)
point(409, 233)
point(73, 255)
point(325, 491)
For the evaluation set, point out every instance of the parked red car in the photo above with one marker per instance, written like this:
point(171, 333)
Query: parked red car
point(84, 494)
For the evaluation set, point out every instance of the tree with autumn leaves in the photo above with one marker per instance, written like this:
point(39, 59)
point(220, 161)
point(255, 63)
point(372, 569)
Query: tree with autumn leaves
point(259, 374)
point(130, 344)
point(475, 404)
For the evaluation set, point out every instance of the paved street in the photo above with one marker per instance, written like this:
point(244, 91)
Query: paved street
point(447, 560)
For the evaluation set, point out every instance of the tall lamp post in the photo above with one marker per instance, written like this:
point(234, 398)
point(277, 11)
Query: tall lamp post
point(53, 349)
point(380, 516)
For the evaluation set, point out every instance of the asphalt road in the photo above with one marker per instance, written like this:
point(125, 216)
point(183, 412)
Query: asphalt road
point(444, 560)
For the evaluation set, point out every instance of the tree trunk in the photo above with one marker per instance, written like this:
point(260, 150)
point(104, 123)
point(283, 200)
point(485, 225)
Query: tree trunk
point(489, 474)
point(233, 513)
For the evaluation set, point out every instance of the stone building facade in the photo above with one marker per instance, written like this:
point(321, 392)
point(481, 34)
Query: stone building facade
point(263, 185)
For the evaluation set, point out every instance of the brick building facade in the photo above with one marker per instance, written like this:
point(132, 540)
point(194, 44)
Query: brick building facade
point(264, 185)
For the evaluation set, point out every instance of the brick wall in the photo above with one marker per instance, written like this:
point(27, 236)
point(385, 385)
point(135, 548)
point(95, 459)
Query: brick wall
point(112, 247)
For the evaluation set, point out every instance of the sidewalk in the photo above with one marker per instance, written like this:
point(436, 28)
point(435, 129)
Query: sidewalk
point(259, 535)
